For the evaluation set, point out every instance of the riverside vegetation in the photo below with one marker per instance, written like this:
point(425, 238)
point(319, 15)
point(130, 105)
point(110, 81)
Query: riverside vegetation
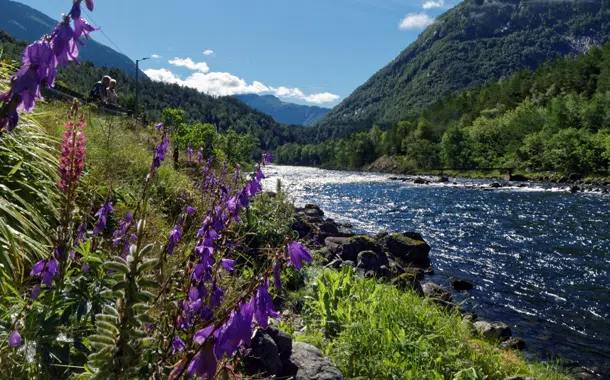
point(552, 119)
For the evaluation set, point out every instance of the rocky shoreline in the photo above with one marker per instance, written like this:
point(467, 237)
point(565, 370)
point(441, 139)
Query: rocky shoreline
point(573, 183)
point(401, 259)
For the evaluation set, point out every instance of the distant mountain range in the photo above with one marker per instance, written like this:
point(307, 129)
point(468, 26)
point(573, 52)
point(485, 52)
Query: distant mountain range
point(282, 112)
point(26, 23)
point(476, 42)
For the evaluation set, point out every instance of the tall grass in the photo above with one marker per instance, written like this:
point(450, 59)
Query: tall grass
point(28, 197)
point(375, 331)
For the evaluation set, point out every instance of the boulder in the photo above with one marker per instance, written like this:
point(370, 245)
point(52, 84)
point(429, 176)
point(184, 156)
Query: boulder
point(443, 179)
point(575, 177)
point(329, 228)
point(334, 244)
point(282, 340)
point(435, 291)
point(418, 273)
point(495, 185)
point(372, 261)
point(354, 245)
point(420, 181)
point(302, 227)
point(409, 249)
point(395, 268)
point(407, 281)
point(384, 272)
point(574, 189)
point(515, 178)
point(311, 365)
point(313, 209)
point(513, 344)
point(264, 356)
point(493, 331)
point(461, 284)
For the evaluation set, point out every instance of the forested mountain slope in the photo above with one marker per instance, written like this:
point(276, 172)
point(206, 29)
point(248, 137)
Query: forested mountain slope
point(284, 112)
point(476, 42)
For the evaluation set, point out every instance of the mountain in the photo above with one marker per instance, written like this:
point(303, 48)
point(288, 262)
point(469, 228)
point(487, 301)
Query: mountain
point(282, 112)
point(476, 42)
point(26, 23)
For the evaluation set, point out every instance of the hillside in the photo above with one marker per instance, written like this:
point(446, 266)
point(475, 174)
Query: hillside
point(476, 42)
point(29, 24)
point(224, 112)
point(283, 112)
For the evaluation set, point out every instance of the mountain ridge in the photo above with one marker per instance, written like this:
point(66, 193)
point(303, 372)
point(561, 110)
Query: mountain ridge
point(284, 112)
point(26, 23)
point(476, 42)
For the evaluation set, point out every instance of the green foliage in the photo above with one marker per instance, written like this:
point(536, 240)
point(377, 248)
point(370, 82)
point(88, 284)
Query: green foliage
point(553, 119)
point(371, 330)
point(472, 44)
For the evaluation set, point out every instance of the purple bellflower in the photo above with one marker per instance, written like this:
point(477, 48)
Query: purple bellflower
point(174, 238)
point(90, 5)
point(263, 305)
point(203, 363)
point(177, 345)
point(101, 214)
point(267, 158)
point(297, 254)
point(189, 152)
point(14, 339)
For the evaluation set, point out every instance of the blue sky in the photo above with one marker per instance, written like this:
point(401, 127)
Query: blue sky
point(307, 52)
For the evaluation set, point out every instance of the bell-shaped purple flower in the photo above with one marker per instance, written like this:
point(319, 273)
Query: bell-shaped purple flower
point(89, 4)
point(101, 214)
point(253, 187)
point(37, 268)
point(263, 305)
point(82, 28)
point(159, 126)
point(203, 364)
point(203, 334)
point(75, 12)
point(228, 264)
point(35, 292)
point(14, 339)
point(297, 254)
point(236, 330)
point(177, 345)
point(190, 210)
point(189, 152)
point(267, 158)
point(64, 44)
point(40, 54)
point(174, 238)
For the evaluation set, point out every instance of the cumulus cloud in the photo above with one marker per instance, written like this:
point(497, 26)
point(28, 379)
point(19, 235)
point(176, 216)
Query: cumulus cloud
point(155, 56)
point(208, 52)
point(433, 4)
point(415, 21)
point(190, 64)
point(225, 84)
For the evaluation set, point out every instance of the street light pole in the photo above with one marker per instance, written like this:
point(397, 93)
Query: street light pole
point(135, 111)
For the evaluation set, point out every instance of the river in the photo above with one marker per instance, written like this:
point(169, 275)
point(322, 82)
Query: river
point(539, 256)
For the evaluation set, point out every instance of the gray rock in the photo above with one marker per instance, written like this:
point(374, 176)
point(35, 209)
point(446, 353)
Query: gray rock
point(334, 243)
point(574, 189)
point(348, 263)
point(282, 340)
point(461, 284)
point(409, 249)
point(493, 331)
point(311, 365)
point(495, 185)
point(329, 228)
point(372, 261)
point(435, 291)
point(513, 344)
point(264, 357)
point(354, 245)
point(313, 210)
point(384, 271)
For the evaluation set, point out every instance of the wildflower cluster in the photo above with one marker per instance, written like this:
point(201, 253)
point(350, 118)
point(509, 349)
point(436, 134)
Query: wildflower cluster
point(40, 61)
point(72, 160)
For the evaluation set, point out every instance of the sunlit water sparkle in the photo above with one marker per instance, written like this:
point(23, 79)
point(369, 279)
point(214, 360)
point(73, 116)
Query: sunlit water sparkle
point(539, 256)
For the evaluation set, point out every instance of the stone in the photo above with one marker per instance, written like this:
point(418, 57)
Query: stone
point(384, 272)
point(495, 185)
point(314, 207)
point(515, 178)
point(329, 228)
point(493, 331)
point(575, 177)
point(418, 273)
point(395, 268)
point(461, 284)
point(419, 181)
point(311, 365)
point(435, 291)
point(408, 281)
point(513, 344)
point(335, 264)
point(264, 356)
point(348, 263)
point(282, 340)
point(429, 271)
point(356, 244)
point(372, 261)
point(443, 179)
point(574, 189)
point(409, 249)
point(471, 317)
point(302, 227)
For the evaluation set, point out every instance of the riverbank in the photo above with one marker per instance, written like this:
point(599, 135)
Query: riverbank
point(395, 165)
point(375, 285)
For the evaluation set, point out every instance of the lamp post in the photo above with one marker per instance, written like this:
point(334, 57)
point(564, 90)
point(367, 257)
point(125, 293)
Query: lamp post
point(135, 111)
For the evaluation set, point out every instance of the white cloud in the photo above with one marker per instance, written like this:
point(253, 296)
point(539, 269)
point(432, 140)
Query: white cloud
point(324, 97)
point(190, 64)
point(155, 56)
point(225, 84)
point(433, 4)
point(208, 52)
point(415, 21)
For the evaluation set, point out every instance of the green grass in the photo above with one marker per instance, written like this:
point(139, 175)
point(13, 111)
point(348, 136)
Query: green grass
point(375, 331)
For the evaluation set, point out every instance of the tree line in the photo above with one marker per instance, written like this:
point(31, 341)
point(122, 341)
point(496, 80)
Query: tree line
point(556, 118)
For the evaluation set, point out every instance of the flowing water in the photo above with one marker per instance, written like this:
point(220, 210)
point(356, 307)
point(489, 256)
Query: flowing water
point(539, 256)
